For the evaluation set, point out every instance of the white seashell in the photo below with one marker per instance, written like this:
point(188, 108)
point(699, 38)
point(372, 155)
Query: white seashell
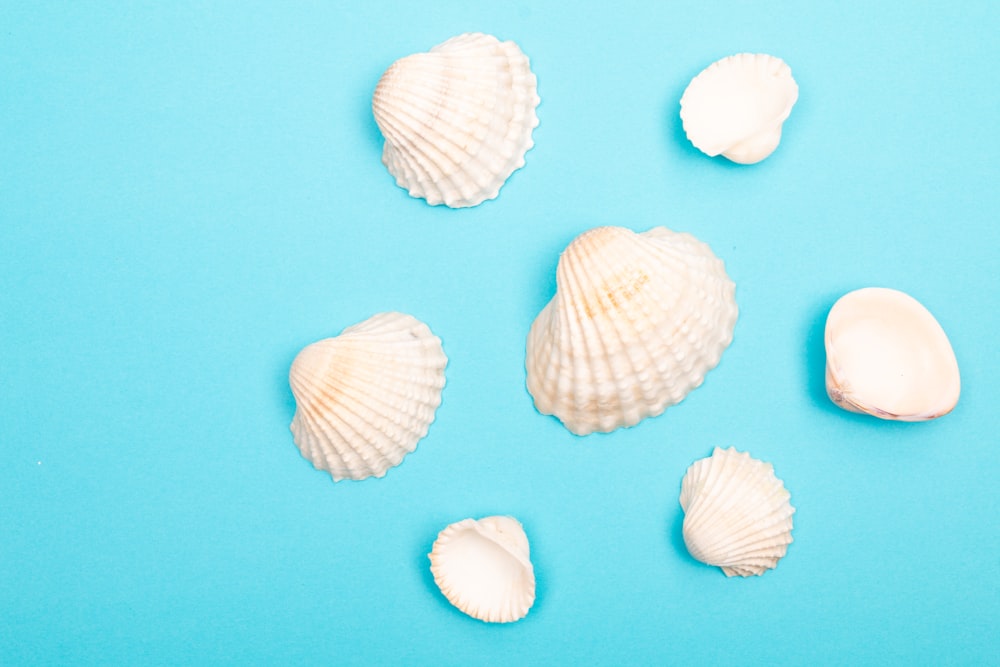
point(457, 120)
point(888, 357)
point(365, 398)
point(484, 568)
point(736, 513)
point(736, 106)
point(636, 322)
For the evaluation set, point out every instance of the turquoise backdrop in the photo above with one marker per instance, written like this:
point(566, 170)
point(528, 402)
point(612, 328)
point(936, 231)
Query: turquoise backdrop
point(190, 192)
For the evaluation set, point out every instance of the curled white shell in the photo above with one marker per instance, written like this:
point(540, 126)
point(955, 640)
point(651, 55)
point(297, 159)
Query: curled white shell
point(636, 322)
point(737, 514)
point(484, 568)
point(887, 356)
point(366, 397)
point(457, 120)
point(736, 106)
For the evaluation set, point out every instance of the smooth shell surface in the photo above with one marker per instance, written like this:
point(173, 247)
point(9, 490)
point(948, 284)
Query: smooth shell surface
point(366, 397)
point(484, 568)
point(737, 514)
point(887, 356)
point(637, 321)
point(736, 106)
point(458, 119)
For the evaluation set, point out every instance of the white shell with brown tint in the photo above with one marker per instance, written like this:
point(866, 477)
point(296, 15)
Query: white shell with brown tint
point(458, 119)
point(736, 106)
point(887, 356)
point(637, 321)
point(484, 568)
point(737, 514)
point(366, 397)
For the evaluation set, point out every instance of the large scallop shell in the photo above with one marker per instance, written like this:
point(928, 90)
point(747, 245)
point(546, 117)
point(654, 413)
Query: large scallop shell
point(366, 397)
point(636, 322)
point(736, 106)
point(484, 568)
point(457, 120)
point(888, 357)
point(737, 514)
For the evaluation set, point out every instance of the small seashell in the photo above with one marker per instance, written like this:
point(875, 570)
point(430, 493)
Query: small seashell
point(888, 357)
point(736, 513)
point(636, 322)
point(457, 120)
point(736, 106)
point(366, 397)
point(484, 568)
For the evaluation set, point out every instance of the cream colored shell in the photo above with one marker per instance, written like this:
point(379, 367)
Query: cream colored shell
point(366, 397)
point(484, 568)
point(737, 514)
point(636, 322)
point(887, 356)
point(736, 106)
point(457, 120)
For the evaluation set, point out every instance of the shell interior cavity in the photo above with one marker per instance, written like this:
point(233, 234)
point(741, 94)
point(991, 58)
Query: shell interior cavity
point(457, 120)
point(637, 321)
point(737, 514)
point(484, 568)
point(887, 356)
point(736, 106)
point(366, 397)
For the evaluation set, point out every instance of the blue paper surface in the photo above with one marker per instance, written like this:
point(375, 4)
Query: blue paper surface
point(191, 192)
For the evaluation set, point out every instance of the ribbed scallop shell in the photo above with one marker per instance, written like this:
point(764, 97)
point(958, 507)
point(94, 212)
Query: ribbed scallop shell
point(366, 397)
point(736, 106)
point(737, 514)
point(887, 356)
point(636, 322)
point(484, 568)
point(457, 120)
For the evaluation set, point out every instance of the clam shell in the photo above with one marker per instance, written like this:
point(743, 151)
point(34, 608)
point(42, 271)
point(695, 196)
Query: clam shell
point(636, 322)
point(887, 356)
point(366, 397)
point(484, 568)
point(736, 106)
point(457, 120)
point(737, 514)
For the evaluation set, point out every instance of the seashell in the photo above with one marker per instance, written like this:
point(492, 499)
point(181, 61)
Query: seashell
point(736, 513)
point(484, 568)
point(888, 357)
point(366, 397)
point(457, 120)
point(636, 322)
point(736, 106)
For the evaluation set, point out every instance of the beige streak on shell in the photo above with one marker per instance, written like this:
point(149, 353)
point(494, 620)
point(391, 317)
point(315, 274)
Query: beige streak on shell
point(636, 322)
point(366, 397)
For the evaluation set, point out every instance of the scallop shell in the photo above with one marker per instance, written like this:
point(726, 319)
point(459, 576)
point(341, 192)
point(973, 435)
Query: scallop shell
point(736, 106)
point(457, 120)
point(484, 568)
point(366, 397)
point(737, 514)
point(636, 322)
point(888, 357)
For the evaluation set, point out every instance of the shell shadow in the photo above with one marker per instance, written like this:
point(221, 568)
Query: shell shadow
point(367, 119)
point(677, 538)
point(814, 355)
point(283, 391)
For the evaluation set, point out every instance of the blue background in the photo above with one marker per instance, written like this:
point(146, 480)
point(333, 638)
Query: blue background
point(191, 192)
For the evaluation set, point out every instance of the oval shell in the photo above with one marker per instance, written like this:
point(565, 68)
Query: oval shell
point(737, 514)
point(484, 568)
point(636, 322)
point(458, 119)
point(888, 357)
point(736, 106)
point(366, 397)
